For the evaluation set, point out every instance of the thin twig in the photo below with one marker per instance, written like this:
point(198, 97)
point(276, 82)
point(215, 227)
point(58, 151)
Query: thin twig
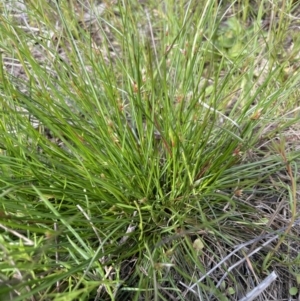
point(153, 40)
point(55, 228)
point(260, 288)
point(25, 239)
point(94, 229)
point(238, 248)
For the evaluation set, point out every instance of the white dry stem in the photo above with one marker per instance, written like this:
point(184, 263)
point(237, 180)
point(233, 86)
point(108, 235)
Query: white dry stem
point(222, 116)
point(260, 288)
point(271, 237)
point(130, 229)
point(93, 227)
point(26, 241)
point(153, 40)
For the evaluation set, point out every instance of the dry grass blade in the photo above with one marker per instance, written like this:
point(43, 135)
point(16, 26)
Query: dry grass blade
point(260, 288)
point(270, 237)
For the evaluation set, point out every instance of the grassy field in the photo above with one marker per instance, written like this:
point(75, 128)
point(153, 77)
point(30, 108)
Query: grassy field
point(149, 150)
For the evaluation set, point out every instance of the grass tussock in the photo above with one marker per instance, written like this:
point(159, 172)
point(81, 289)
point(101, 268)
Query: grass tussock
point(149, 151)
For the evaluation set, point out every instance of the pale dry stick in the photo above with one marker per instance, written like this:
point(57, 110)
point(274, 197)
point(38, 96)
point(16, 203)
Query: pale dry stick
point(55, 227)
point(130, 229)
point(17, 278)
point(27, 241)
point(260, 288)
point(12, 263)
point(153, 40)
point(94, 12)
point(283, 10)
point(93, 227)
point(88, 218)
point(219, 113)
point(56, 241)
point(288, 114)
point(244, 259)
point(102, 260)
point(238, 248)
point(270, 221)
point(233, 266)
